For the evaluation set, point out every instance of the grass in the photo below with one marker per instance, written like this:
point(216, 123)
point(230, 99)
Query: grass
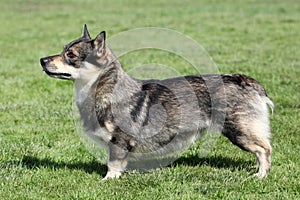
point(41, 155)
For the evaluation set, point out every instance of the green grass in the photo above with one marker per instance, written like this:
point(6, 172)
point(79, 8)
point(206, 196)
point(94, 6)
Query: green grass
point(41, 154)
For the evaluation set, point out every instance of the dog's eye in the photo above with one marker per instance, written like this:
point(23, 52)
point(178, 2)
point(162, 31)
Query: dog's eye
point(71, 55)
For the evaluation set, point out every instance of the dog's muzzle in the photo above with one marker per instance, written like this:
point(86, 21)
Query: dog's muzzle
point(45, 62)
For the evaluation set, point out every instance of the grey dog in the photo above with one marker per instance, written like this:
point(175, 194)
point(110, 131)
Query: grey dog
point(147, 117)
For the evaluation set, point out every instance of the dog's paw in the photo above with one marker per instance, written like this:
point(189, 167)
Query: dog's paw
point(111, 174)
point(260, 175)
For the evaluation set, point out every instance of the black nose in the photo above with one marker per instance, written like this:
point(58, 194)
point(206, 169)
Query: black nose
point(44, 61)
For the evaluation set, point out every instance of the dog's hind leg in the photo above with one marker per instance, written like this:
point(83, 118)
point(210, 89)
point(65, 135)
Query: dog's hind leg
point(264, 160)
point(262, 150)
point(252, 136)
point(257, 141)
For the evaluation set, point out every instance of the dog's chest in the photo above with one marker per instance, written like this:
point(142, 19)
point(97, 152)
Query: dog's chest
point(98, 132)
point(94, 125)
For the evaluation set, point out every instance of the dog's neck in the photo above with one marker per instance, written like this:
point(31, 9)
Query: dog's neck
point(104, 83)
point(95, 71)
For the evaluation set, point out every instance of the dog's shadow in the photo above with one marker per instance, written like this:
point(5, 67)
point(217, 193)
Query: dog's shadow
point(215, 162)
point(95, 167)
point(89, 167)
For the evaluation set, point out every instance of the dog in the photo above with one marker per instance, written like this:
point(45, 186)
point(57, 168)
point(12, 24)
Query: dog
point(135, 117)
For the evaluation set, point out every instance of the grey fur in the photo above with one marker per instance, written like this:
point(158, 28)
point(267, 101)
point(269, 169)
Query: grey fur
point(155, 117)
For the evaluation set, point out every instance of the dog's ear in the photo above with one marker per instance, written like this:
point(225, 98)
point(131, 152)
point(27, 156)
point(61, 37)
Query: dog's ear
point(86, 34)
point(99, 42)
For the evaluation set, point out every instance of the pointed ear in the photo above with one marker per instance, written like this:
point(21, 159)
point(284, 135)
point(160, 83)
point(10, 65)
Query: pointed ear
point(99, 41)
point(86, 34)
point(100, 38)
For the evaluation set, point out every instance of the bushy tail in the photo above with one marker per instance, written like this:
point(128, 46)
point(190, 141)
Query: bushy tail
point(268, 101)
point(261, 91)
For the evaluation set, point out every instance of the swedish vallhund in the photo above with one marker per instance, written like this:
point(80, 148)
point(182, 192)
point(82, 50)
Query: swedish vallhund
point(135, 117)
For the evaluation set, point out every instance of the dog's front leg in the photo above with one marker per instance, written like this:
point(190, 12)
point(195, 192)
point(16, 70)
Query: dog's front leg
point(117, 162)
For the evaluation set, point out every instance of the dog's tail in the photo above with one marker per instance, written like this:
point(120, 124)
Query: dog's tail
point(268, 101)
point(261, 91)
point(264, 96)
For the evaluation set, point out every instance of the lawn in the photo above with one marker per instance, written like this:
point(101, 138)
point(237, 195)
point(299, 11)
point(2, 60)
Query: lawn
point(41, 153)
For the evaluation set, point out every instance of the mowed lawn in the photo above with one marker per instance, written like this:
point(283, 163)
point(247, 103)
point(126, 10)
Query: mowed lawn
point(41, 153)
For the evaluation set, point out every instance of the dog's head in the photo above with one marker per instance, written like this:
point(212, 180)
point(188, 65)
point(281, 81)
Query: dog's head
point(79, 59)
